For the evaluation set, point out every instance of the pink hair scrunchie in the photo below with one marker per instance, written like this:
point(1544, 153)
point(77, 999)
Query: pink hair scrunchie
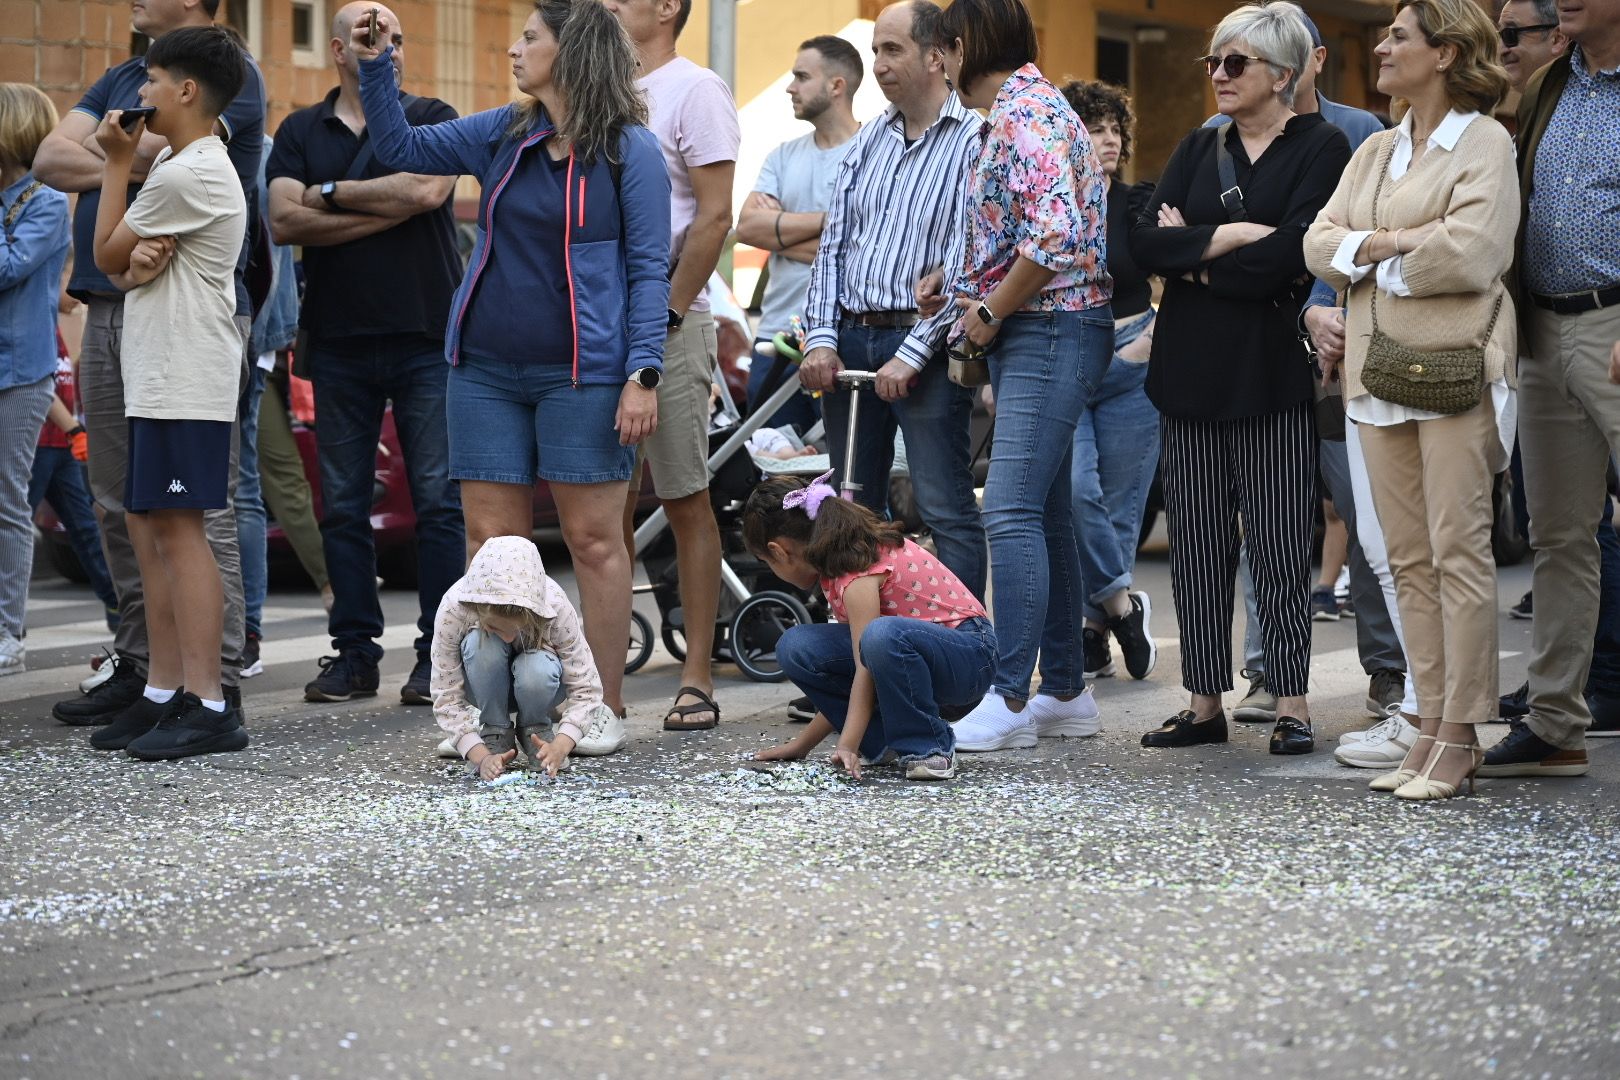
point(810, 498)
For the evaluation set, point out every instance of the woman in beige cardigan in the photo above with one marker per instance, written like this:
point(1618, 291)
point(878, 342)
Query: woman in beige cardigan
point(1423, 221)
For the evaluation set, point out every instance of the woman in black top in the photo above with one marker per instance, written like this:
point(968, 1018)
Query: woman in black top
point(1229, 373)
point(1116, 444)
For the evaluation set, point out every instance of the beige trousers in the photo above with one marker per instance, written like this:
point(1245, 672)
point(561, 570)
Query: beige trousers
point(1569, 424)
point(1431, 483)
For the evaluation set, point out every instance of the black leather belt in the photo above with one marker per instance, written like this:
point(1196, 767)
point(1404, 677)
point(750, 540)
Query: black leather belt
point(883, 320)
point(1576, 303)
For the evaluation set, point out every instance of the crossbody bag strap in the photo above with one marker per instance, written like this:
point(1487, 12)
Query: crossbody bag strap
point(1231, 194)
point(1378, 191)
point(367, 152)
point(17, 208)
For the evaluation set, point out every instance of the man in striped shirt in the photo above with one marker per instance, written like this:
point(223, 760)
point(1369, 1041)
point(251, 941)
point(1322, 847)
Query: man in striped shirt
point(897, 216)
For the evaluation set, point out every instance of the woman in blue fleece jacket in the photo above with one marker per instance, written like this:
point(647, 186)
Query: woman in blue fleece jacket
point(556, 333)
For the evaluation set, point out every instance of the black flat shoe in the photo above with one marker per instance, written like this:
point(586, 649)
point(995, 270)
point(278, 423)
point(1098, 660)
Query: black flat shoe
point(1292, 736)
point(1185, 729)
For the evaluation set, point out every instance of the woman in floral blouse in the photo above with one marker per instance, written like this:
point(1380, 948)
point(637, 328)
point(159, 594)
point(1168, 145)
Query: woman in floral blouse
point(1034, 289)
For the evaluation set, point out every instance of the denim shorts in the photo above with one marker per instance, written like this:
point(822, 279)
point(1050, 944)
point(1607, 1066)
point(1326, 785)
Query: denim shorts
point(510, 423)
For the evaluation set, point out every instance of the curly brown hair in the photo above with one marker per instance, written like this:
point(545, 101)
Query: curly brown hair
point(844, 538)
point(1099, 101)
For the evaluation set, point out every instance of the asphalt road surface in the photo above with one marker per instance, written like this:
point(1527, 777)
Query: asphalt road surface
point(336, 901)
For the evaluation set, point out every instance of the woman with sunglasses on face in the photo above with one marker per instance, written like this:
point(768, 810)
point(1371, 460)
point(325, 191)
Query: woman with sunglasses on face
point(1034, 289)
point(1229, 373)
point(1421, 232)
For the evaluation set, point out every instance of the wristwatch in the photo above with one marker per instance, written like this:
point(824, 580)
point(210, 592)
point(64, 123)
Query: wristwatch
point(647, 377)
point(675, 319)
point(329, 193)
point(986, 316)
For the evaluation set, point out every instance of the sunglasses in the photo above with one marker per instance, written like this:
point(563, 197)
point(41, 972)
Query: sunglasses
point(1510, 35)
point(1234, 63)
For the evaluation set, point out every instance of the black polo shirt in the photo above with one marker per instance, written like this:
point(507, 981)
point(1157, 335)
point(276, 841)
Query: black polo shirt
point(395, 282)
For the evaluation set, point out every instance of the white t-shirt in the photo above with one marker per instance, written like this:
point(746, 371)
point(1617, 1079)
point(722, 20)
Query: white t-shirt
point(182, 352)
point(692, 112)
point(799, 175)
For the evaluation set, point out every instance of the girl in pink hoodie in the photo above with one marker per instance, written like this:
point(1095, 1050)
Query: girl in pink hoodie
point(506, 631)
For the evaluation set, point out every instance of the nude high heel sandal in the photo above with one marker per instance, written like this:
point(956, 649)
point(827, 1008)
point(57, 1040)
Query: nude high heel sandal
point(1423, 788)
point(1391, 780)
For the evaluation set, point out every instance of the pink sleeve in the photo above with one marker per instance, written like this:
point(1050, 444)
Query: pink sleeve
point(451, 708)
point(707, 129)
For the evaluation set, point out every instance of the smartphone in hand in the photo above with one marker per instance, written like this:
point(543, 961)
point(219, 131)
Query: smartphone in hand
point(130, 117)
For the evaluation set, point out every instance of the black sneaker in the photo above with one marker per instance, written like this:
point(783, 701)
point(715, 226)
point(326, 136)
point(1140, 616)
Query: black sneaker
point(1521, 610)
point(103, 704)
point(1605, 710)
point(1135, 638)
point(1524, 753)
point(190, 729)
point(1185, 729)
point(347, 675)
point(1385, 689)
point(133, 722)
point(1099, 662)
point(251, 664)
point(801, 710)
point(1514, 705)
point(418, 688)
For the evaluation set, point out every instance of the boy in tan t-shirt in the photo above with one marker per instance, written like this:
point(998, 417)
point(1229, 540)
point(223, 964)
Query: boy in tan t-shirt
point(174, 250)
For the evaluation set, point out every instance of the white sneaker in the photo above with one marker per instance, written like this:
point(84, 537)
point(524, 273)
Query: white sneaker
point(604, 736)
point(13, 654)
point(101, 669)
point(1072, 719)
point(1382, 747)
point(447, 749)
point(993, 726)
point(1384, 729)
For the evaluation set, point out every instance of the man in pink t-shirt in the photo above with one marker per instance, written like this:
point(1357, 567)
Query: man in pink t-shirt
point(695, 118)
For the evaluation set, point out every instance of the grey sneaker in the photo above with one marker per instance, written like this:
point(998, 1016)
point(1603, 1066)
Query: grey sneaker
point(932, 767)
point(1259, 705)
point(13, 655)
point(498, 740)
point(884, 760)
point(546, 732)
point(1385, 690)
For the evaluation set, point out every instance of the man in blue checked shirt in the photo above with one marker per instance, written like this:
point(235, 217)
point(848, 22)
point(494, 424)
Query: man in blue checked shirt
point(898, 216)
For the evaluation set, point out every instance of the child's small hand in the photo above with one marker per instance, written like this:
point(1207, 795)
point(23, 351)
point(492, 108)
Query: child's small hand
point(848, 760)
point(152, 253)
point(553, 753)
point(791, 751)
point(119, 145)
point(492, 765)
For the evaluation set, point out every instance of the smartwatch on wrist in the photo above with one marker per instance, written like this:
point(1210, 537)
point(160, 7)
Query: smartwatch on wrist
point(675, 319)
point(647, 378)
point(78, 429)
point(986, 316)
point(329, 193)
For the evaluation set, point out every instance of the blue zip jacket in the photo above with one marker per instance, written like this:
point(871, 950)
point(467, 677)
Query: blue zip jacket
point(617, 249)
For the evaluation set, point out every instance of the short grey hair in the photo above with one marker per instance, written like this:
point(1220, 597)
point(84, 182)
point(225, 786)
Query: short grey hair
point(1276, 32)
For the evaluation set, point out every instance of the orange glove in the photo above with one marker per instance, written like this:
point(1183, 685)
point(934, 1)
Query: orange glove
point(79, 445)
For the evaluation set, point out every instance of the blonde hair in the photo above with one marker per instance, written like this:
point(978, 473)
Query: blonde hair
point(26, 117)
point(1476, 81)
point(531, 627)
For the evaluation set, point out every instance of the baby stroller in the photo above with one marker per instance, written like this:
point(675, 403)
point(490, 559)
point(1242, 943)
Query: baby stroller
point(756, 607)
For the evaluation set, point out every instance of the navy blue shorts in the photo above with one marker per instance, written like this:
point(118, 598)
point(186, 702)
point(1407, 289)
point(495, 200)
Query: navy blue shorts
point(177, 464)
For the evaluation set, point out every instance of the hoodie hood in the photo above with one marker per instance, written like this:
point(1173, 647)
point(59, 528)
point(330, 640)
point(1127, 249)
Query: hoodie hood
point(508, 570)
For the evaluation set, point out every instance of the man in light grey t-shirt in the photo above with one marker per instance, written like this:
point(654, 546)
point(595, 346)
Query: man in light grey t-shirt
point(785, 212)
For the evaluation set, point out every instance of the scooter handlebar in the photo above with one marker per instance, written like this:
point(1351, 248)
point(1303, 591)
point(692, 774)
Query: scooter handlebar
point(856, 378)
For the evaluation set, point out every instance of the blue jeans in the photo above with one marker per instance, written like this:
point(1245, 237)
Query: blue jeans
point(801, 410)
point(498, 673)
point(1045, 369)
point(250, 519)
point(352, 387)
point(934, 420)
point(916, 667)
point(1116, 451)
point(58, 479)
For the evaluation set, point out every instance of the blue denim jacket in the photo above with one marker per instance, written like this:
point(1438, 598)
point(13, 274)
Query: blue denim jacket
point(277, 324)
point(32, 254)
point(617, 252)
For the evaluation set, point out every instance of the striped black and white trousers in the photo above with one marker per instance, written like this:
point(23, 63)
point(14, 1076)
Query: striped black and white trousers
point(1253, 482)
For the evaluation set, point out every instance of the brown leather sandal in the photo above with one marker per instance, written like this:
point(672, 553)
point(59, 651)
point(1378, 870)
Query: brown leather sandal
point(677, 717)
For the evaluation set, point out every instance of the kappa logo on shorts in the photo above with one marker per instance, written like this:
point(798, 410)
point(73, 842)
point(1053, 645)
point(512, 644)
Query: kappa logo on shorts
point(177, 488)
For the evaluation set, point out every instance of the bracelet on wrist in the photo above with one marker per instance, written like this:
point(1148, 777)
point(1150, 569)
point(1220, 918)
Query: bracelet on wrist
point(780, 243)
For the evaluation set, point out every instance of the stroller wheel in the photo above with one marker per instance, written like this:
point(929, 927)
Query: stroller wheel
point(641, 643)
point(674, 640)
point(758, 625)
